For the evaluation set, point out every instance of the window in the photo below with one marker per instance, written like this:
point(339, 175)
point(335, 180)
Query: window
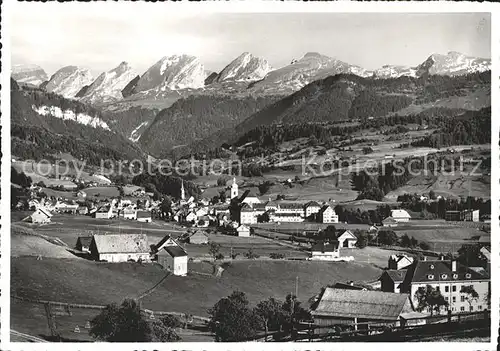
point(467, 275)
point(454, 299)
point(471, 308)
point(430, 276)
point(444, 276)
point(462, 298)
point(431, 266)
point(455, 276)
point(446, 298)
point(447, 289)
point(462, 309)
point(480, 308)
point(454, 288)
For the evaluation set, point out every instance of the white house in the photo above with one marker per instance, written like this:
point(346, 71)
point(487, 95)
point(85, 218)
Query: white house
point(328, 215)
point(325, 251)
point(400, 215)
point(247, 215)
point(471, 215)
point(104, 212)
point(201, 212)
point(243, 231)
point(311, 208)
point(191, 217)
point(251, 200)
point(40, 216)
point(174, 259)
point(129, 213)
point(347, 240)
point(400, 261)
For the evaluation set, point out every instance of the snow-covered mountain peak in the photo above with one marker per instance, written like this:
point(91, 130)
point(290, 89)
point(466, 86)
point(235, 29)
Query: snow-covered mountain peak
point(245, 67)
point(29, 74)
point(173, 73)
point(68, 81)
point(109, 85)
point(453, 63)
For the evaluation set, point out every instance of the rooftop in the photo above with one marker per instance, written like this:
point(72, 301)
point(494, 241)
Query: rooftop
point(121, 243)
point(375, 305)
point(175, 251)
point(441, 270)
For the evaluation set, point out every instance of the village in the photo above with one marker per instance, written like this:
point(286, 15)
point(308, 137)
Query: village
point(308, 230)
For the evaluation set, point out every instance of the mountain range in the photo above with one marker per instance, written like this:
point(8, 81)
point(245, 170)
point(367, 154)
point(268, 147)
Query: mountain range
point(179, 106)
point(179, 75)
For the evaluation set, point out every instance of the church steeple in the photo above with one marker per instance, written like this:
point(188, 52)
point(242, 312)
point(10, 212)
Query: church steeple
point(234, 189)
point(183, 193)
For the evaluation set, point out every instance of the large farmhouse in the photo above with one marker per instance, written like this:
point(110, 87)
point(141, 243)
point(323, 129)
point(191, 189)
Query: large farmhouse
point(120, 247)
point(449, 276)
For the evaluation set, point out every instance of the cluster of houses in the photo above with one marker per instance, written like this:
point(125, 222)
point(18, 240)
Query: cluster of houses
point(396, 302)
point(128, 208)
point(252, 210)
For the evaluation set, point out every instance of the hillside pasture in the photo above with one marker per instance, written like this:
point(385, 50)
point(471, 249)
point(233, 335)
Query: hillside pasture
point(69, 281)
point(441, 239)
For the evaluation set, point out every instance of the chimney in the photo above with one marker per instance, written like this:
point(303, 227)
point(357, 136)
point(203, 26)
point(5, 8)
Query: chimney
point(453, 265)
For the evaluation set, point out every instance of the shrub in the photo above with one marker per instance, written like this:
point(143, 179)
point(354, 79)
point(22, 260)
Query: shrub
point(276, 255)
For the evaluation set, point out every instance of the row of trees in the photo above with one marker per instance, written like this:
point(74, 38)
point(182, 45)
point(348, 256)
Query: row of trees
point(233, 319)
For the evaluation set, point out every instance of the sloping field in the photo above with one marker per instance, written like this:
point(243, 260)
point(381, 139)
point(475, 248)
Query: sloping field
point(441, 239)
point(448, 185)
point(81, 281)
point(26, 242)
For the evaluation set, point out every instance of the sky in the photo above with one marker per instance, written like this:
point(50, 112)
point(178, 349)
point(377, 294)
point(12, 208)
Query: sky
point(99, 38)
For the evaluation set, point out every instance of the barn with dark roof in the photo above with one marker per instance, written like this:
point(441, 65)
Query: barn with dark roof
point(360, 307)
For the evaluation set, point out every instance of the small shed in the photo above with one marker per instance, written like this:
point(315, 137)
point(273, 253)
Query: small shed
point(174, 259)
point(144, 216)
point(82, 210)
point(243, 231)
point(389, 222)
point(198, 238)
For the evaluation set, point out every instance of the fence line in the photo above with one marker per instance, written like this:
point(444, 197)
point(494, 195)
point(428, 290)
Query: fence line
point(100, 307)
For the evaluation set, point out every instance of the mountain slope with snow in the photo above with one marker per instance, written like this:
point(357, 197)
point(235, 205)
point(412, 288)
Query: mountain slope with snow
point(173, 73)
point(299, 73)
point(452, 64)
point(29, 74)
point(109, 85)
point(68, 81)
point(245, 67)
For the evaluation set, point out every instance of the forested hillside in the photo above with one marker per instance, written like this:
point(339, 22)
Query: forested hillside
point(197, 117)
point(349, 97)
point(38, 137)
